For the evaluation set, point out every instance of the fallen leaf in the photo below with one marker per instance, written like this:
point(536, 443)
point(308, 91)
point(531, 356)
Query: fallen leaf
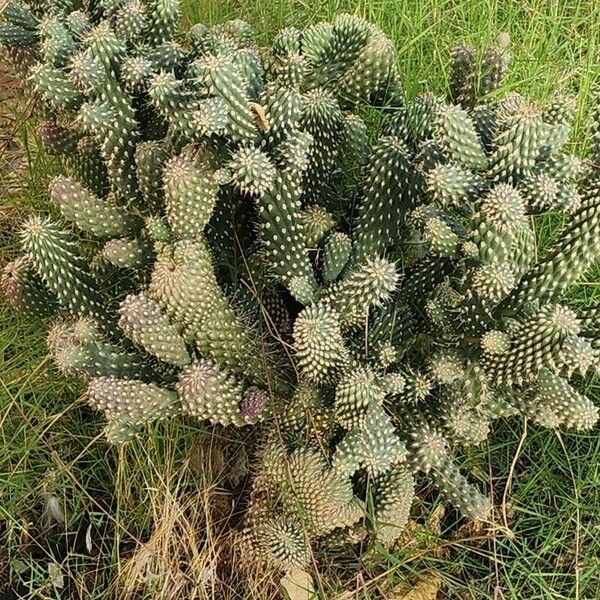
point(55, 575)
point(425, 589)
point(434, 520)
point(298, 584)
point(88, 539)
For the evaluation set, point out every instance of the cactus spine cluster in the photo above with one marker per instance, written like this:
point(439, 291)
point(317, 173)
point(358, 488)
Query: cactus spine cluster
point(213, 260)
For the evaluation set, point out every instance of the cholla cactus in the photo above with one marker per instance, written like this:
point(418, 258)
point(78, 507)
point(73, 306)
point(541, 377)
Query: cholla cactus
point(24, 289)
point(210, 393)
point(77, 348)
point(246, 251)
point(143, 321)
point(130, 404)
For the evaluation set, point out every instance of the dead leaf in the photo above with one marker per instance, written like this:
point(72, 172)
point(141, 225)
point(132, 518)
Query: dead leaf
point(88, 539)
point(260, 116)
point(434, 520)
point(425, 589)
point(298, 584)
point(55, 575)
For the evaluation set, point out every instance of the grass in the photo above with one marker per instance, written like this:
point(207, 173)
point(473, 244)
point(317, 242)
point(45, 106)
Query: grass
point(79, 519)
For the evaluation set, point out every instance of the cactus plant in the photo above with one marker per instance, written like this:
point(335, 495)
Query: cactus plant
point(246, 251)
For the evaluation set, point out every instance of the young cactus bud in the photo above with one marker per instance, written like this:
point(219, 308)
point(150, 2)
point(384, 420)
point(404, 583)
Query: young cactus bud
point(337, 252)
point(316, 222)
point(370, 285)
point(439, 237)
point(354, 393)
point(283, 540)
point(252, 171)
point(427, 447)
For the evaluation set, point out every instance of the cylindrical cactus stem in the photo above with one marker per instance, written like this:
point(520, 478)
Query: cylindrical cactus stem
point(131, 22)
point(53, 254)
point(148, 326)
point(464, 496)
point(518, 145)
point(222, 79)
point(102, 218)
point(280, 209)
point(163, 17)
point(183, 283)
point(463, 75)
point(393, 497)
point(319, 344)
point(455, 132)
point(150, 158)
point(572, 255)
point(208, 392)
point(537, 343)
point(57, 139)
point(387, 196)
point(323, 120)
point(553, 402)
point(127, 253)
point(56, 89)
point(191, 188)
point(373, 72)
point(23, 288)
point(77, 348)
point(129, 404)
point(495, 64)
point(18, 15)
